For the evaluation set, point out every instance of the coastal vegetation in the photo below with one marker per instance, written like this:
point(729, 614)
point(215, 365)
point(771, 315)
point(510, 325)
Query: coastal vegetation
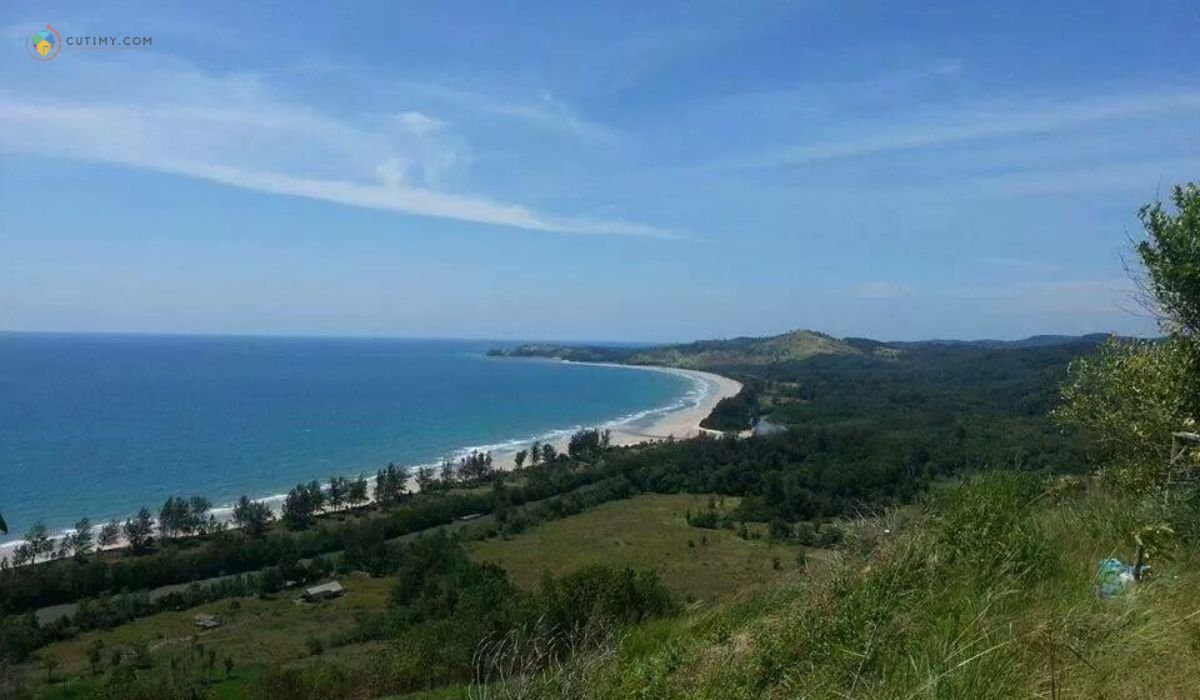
point(858, 450)
point(929, 525)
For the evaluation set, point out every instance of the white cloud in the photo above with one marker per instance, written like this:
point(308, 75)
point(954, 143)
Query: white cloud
point(544, 112)
point(233, 130)
point(419, 124)
point(972, 123)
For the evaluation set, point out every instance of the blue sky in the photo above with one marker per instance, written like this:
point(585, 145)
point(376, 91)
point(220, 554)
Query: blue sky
point(624, 171)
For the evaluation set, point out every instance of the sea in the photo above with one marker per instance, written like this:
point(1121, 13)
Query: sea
point(101, 425)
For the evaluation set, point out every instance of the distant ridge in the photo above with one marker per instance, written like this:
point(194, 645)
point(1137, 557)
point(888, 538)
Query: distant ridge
point(1034, 341)
point(701, 354)
point(757, 351)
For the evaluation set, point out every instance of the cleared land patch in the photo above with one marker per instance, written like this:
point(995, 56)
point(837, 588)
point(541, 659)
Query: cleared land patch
point(648, 532)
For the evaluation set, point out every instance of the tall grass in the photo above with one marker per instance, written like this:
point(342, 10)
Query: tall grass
point(988, 592)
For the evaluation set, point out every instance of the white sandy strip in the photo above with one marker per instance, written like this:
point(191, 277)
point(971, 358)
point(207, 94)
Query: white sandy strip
point(680, 422)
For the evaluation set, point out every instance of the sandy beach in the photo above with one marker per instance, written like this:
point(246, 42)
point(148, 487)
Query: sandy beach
point(659, 424)
point(683, 423)
point(680, 423)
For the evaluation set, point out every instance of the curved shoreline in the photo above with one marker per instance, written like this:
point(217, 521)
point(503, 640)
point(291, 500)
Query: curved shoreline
point(657, 423)
point(654, 424)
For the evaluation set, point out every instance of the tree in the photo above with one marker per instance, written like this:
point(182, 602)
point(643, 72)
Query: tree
point(109, 533)
point(356, 493)
point(198, 519)
point(37, 539)
point(391, 485)
point(476, 466)
point(316, 494)
point(139, 531)
point(587, 443)
point(1130, 396)
point(299, 507)
point(22, 555)
point(1170, 255)
point(82, 538)
point(1127, 400)
point(425, 478)
point(535, 453)
point(448, 472)
point(549, 454)
point(172, 517)
point(252, 517)
point(338, 489)
point(519, 458)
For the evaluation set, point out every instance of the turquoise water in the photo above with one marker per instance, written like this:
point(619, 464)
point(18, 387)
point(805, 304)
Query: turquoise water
point(100, 425)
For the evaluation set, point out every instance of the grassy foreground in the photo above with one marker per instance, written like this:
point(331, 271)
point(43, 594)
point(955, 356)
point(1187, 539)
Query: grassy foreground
point(989, 592)
point(644, 532)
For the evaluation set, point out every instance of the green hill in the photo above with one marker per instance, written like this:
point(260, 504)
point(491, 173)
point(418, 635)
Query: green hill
point(703, 354)
point(988, 591)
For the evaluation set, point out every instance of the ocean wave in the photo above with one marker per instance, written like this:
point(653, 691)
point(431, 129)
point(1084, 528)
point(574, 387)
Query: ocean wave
point(701, 388)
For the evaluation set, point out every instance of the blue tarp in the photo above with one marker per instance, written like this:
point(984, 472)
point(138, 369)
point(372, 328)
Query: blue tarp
point(1113, 578)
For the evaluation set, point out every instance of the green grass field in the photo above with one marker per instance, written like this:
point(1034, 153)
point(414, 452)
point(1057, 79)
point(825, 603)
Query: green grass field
point(650, 532)
point(255, 632)
point(647, 531)
point(988, 592)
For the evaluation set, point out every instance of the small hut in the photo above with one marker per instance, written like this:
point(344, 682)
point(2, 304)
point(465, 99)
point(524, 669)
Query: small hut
point(206, 622)
point(325, 591)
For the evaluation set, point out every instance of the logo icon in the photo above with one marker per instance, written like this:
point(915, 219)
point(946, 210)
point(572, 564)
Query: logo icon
point(45, 44)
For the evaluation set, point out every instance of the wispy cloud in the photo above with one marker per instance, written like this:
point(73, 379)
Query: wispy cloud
point(234, 131)
point(964, 124)
point(543, 112)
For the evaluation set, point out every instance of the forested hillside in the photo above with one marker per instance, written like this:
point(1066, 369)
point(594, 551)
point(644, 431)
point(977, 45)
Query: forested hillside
point(932, 523)
point(703, 354)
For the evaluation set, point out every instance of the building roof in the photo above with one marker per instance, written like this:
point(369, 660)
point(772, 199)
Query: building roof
point(325, 589)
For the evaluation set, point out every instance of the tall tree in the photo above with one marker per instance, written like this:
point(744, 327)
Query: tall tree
point(391, 485)
point(425, 478)
point(337, 491)
point(172, 517)
point(252, 517)
point(82, 538)
point(139, 531)
point(301, 505)
point(1131, 396)
point(109, 533)
point(38, 540)
point(519, 458)
point(356, 493)
point(1170, 256)
point(198, 518)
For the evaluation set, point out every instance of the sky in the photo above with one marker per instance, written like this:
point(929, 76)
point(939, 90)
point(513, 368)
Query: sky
point(590, 171)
